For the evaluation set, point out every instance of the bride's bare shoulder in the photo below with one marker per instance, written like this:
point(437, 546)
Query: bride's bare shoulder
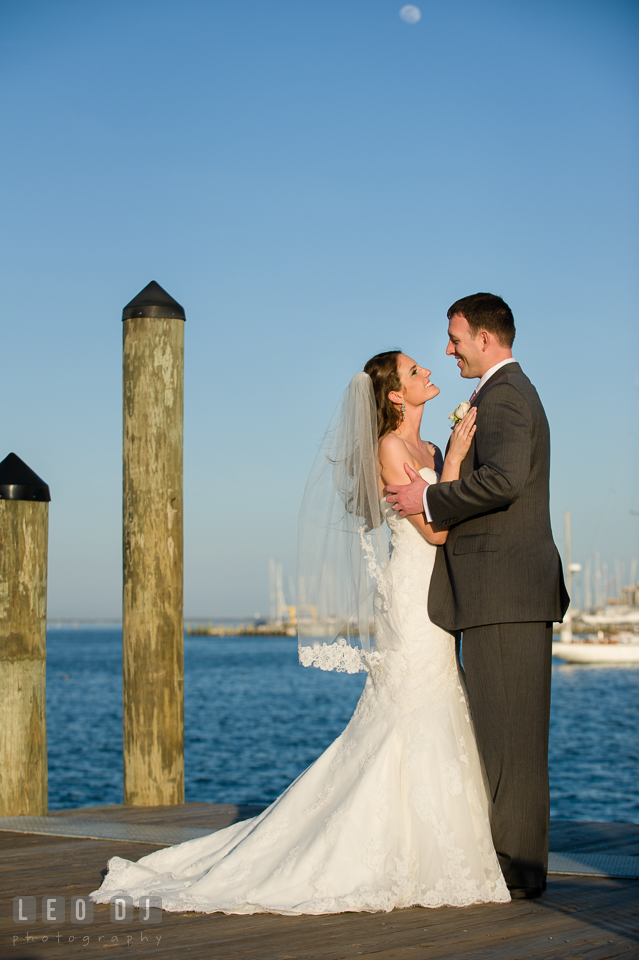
point(391, 446)
point(393, 454)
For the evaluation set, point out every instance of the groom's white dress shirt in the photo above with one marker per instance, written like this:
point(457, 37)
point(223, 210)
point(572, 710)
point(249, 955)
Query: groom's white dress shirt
point(486, 376)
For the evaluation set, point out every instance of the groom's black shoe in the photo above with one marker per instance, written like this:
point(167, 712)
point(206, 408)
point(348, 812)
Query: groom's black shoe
point(526, 893)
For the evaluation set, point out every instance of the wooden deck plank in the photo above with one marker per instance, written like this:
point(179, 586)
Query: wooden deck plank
point(565, 835)
point(211, 815)
point(578, 918)
point(586, 837)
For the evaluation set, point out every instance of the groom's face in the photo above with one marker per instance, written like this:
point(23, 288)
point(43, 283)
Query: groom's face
point(466, 349)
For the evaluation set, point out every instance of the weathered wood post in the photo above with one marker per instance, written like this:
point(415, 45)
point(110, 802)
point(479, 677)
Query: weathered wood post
point(24, 527)
point(153, 625)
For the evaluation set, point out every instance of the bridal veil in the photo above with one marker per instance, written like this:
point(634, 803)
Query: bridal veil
point(342, 539)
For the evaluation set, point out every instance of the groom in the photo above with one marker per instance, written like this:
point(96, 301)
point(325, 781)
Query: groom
point(498, 580)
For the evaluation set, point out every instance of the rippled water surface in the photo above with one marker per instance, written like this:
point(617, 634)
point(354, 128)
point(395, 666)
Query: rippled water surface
point(255, 720)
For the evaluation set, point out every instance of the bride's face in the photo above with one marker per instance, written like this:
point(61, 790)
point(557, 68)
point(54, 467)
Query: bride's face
point(416, 383)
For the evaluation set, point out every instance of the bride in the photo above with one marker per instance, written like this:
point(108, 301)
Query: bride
point(394, 813)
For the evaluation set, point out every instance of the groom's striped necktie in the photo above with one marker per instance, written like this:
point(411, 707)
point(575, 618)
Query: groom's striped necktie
point(472, 396)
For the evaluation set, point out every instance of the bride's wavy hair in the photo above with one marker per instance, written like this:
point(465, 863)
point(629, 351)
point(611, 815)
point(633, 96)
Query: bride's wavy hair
point(382, 369)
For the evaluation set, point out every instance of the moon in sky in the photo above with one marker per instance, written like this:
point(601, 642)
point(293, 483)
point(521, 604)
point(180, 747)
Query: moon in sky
point(410, 13)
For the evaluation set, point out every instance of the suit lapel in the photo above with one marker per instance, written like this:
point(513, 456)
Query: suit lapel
point(468, 463)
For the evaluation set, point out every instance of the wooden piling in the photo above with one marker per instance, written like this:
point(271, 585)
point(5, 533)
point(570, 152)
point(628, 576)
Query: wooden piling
point(24, 525)
point(153, 625)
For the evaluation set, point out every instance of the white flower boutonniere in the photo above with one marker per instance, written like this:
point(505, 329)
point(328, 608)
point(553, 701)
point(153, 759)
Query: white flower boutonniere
point(459, 413)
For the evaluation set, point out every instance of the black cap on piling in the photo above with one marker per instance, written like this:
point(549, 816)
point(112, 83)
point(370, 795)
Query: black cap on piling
point(154, 302)
point(19, 482)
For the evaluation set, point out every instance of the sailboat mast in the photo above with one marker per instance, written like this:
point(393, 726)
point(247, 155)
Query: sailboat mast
point(566, 629)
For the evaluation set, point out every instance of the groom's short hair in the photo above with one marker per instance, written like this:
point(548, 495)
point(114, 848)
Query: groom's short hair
point(485, 311)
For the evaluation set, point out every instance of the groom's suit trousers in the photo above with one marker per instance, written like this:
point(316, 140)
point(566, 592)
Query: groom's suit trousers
point(508, 668)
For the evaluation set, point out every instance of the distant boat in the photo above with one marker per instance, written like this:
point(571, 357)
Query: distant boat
point(624, 648)
point(612, 634)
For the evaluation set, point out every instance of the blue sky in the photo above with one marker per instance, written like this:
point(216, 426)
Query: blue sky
point(314, 182)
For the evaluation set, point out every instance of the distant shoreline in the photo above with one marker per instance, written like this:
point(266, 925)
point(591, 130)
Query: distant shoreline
point(192, 628)
point(117, 622)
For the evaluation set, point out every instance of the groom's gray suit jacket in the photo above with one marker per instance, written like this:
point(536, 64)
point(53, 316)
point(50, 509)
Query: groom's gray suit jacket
point(499, 563)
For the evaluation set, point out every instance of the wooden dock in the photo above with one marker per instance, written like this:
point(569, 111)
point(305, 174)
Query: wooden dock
point(579, 918)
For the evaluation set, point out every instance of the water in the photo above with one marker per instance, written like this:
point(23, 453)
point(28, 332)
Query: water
point(594, 746)
point(255, 719)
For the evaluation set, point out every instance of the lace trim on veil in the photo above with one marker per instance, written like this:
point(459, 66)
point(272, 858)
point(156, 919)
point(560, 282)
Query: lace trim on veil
point(339, 656)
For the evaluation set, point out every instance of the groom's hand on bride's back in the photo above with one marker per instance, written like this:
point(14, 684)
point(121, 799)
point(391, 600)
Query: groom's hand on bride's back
point(407, 499)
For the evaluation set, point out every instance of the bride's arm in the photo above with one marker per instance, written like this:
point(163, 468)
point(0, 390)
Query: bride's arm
point(459, 445)
point(393, 454)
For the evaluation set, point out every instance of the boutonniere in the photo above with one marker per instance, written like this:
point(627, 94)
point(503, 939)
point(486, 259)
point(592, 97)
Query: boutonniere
point(459, 413)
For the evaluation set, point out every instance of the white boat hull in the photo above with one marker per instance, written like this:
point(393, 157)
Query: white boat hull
point(596, 652)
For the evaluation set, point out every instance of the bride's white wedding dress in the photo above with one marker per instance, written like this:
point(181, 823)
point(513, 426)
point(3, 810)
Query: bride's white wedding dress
point(393, 814)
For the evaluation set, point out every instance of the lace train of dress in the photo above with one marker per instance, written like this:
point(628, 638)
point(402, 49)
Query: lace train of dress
point(393, 814)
